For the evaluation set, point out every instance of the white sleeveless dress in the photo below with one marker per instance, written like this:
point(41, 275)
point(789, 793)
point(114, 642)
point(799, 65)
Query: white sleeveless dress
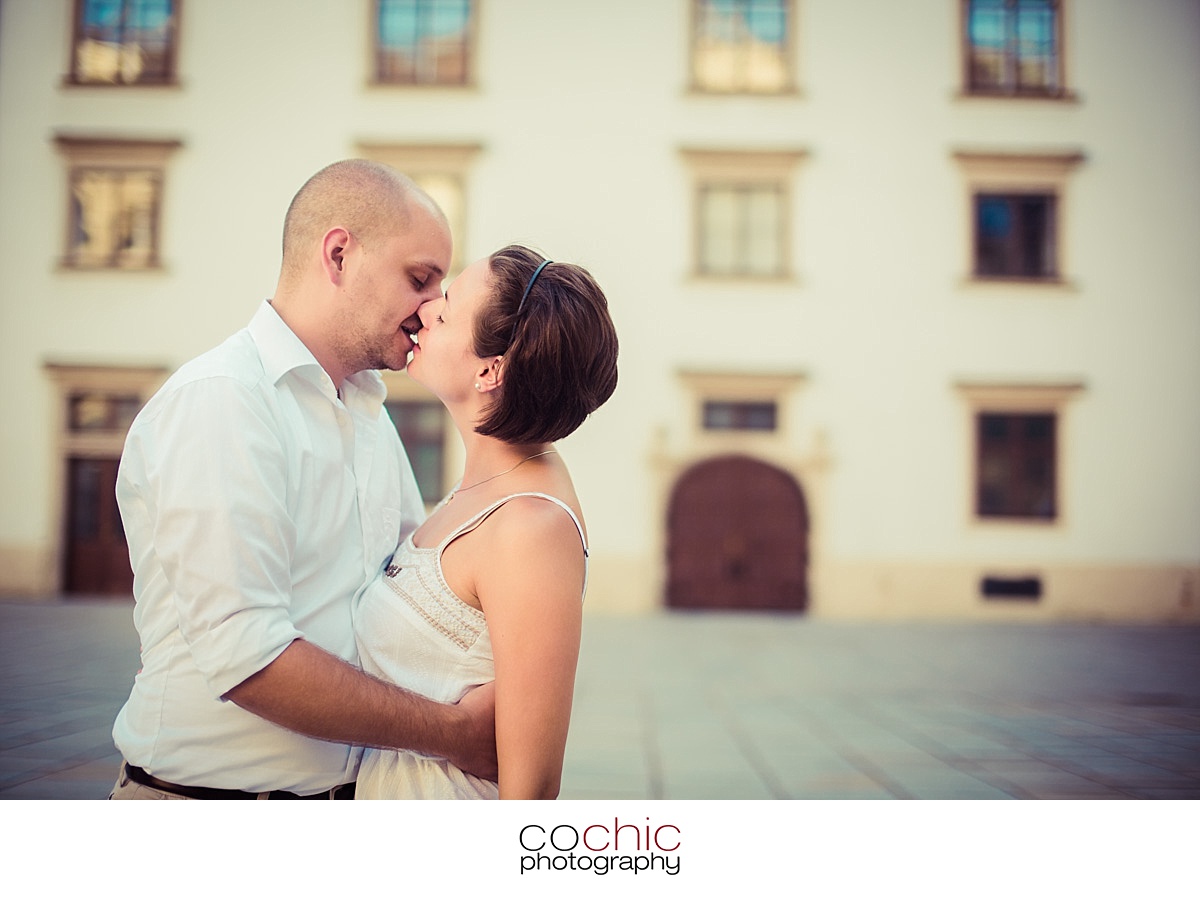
point(414, 631)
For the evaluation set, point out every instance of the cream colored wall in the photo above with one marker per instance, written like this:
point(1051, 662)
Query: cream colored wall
point(580, 122)
point(1098, 592)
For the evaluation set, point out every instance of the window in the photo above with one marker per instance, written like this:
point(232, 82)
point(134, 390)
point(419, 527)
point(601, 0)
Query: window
point(427, 432)
point(1016, 219)
point(442, 171)
point(740, 229)
point(1013, 47)
point(114, 193)
point(1014, 235)
point(98, 403)
point(423, 42)
point(739, 415)
point(124, 42)
point(726, 410)
point(741, 46)
point(1015, 472)
point(742, 213)
point(421, 425)
point(1016, 436)
point(101, 411)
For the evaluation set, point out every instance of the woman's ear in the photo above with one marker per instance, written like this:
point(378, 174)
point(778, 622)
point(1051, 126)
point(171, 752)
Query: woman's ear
point(490, 376)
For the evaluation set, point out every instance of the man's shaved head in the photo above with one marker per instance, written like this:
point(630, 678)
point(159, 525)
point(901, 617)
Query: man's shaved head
point(370, 200)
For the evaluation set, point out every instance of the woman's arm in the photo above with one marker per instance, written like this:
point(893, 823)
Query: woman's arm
point(530, 585)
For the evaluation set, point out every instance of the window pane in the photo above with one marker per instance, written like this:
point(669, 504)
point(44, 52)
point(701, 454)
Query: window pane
point(1015, 235)
point(1036, 64)
point(124, 41)
point(114, 216)
point(741, 230)
point(423, 41)
point(1015, 476)
point(1012, 45)
point(993, 235)
point(89, 412)
point(148, 34)
point(1037, 226)
point(727, 415)
point(987, 37)
point(740, 45)
point(102, 412)
point(763, 232)
point(718, 230)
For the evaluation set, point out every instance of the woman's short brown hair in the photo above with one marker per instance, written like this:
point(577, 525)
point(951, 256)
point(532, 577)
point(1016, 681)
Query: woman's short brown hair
point(560, 350)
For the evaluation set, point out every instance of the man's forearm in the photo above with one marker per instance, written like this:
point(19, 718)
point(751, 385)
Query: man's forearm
point(307, 690)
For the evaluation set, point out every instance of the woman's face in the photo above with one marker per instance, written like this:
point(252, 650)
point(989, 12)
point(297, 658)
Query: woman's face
point(444, 358)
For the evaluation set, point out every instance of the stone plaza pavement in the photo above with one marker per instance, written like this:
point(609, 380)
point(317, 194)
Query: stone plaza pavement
point(721, 706)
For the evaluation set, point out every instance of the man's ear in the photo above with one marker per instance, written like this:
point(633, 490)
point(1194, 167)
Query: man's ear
point(334, 248)
point(490, 376)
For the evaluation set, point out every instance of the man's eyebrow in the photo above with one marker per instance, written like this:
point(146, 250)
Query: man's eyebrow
point(433, 267)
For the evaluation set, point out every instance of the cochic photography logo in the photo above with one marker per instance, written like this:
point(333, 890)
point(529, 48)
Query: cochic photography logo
point(601, 848)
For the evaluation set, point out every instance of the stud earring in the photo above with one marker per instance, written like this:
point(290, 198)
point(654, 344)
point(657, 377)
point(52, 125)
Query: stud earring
point(478, 386)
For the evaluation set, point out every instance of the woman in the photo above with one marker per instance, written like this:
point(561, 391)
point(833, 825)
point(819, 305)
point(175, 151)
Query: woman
point(520, 350)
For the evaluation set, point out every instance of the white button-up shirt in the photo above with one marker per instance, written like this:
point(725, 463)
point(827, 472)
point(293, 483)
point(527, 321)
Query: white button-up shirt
point(257, 506)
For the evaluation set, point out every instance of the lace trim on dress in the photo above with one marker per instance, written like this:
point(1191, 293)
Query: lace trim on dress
point(460, 623)
point(444, 610)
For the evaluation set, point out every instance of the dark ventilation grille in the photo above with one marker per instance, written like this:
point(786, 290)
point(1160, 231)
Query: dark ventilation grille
point(995, 588)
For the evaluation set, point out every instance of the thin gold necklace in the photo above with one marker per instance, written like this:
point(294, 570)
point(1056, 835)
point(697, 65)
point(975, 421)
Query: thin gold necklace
point(457, 491)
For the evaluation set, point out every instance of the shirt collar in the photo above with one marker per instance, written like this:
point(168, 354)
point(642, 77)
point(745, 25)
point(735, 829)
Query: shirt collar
point(282, 352)
point(278, 347)
point(365, 387)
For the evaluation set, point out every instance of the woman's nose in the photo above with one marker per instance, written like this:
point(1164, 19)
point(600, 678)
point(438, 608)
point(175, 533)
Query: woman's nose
point(426, 311)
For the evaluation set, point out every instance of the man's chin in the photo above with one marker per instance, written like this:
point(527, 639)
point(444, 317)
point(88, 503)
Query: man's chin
point(395, 364)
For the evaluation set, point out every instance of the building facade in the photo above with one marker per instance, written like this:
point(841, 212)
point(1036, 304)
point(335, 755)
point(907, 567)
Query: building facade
point(908, 294)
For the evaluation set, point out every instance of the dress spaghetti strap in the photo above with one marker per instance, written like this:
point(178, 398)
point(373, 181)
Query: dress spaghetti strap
point(479, 518)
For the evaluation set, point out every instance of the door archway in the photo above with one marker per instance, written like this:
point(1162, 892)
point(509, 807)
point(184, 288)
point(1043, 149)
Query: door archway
point(737, 538)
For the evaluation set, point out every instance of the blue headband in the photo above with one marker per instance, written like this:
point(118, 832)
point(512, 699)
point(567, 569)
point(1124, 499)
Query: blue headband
point(532, 279)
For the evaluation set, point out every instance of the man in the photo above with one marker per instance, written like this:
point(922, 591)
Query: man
point(261, 489)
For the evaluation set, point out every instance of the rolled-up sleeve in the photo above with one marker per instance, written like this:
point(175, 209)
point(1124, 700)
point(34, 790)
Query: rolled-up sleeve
point(214, 483)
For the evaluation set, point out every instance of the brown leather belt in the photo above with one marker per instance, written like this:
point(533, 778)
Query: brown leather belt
point(141, 776)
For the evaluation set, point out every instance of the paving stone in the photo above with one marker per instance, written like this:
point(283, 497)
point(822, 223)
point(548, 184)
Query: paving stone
point(722, 706)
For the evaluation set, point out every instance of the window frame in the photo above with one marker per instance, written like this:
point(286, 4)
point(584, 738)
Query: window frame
point(1013, 174)
point(1060, 91)
point(1016, 399)
point(789, 85)
point(740, 170)
point(169, 79)
point(1017, 264)
point(114, 155)
point(470, 43)
point(1019, 450)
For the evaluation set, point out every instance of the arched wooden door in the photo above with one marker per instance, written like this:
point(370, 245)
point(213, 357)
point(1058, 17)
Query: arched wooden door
point(737, 538)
